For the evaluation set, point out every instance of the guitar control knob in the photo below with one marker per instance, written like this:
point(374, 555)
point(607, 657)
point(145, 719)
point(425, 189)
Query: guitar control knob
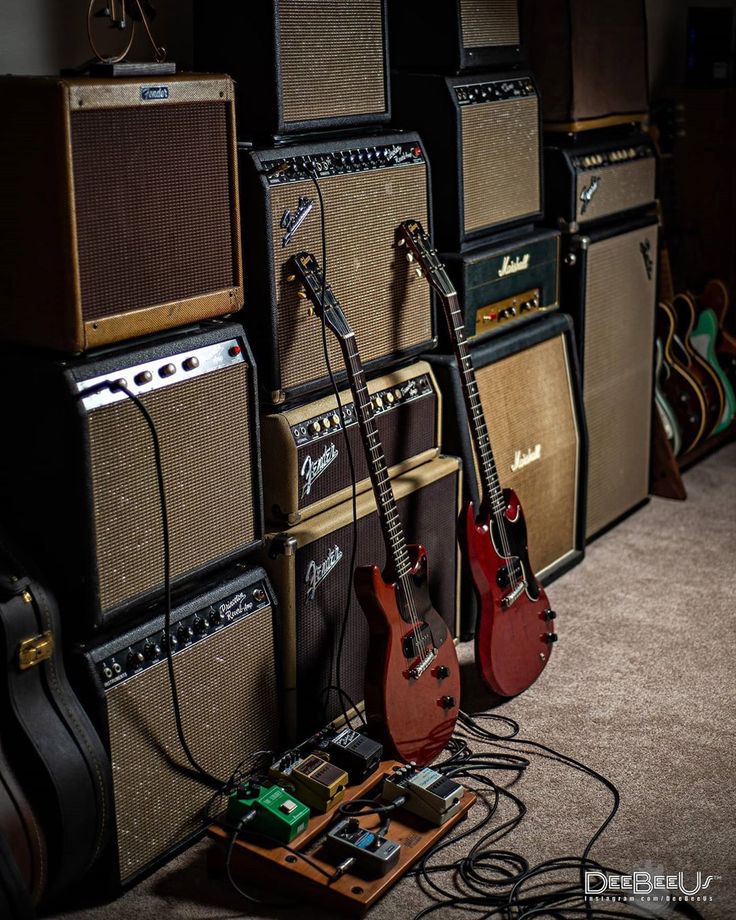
point(551, 637)
point(184, 633)
point(200, 625)
point(442, 672)
point(550, 615)
point(448, 702)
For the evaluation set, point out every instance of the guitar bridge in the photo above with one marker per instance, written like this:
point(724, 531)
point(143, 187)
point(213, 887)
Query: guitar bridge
point(510, 599)
point(416, 672)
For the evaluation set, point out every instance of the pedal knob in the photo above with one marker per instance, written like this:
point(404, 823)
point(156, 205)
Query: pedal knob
point(551, 637)
point(550, 615)
point(448, 702)
point(442, 672)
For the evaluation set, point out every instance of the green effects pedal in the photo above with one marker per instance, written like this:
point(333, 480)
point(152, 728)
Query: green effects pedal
point(278, 814)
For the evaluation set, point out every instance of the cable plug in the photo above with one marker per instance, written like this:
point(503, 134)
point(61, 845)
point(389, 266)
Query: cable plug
point(247, 817)
point(343, 868)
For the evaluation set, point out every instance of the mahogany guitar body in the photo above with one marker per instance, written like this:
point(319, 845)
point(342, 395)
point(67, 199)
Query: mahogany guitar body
point(413, 716)
point(512, 644)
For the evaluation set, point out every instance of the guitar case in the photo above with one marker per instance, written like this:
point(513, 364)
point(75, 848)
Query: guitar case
point(15, 901)
point(47, 738)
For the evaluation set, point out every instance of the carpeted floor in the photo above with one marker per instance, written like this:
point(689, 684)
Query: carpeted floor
point(642, 687)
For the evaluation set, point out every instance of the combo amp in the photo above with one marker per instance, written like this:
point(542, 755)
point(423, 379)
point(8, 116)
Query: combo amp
point(483, 137)
point(82, 483)
point(507, 282)
point(122, 217)
point(222, 641)
point(299, 65)
point(309, 569)
point(454, 37)
point(369, 186)
point(529, 388)
point(609, 285)
point(587, 182)
point(305, 461)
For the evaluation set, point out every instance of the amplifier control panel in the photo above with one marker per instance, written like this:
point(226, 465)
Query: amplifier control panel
point(612, 157)
point(494, 91)
point(340, 162)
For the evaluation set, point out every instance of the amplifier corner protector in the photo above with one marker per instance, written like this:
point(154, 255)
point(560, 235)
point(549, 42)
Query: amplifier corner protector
point(277, 397)
point(282, 545)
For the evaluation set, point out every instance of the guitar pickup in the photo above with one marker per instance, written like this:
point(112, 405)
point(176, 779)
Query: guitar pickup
point(418, 641)
point(510, 599)
point(509, 574)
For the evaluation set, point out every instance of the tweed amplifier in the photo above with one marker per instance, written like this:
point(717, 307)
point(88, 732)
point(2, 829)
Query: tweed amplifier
point(309, 569)
point(609, 284)
point(369, 186)
point(96, 492)
point(590, 61)
point(508, 282)
point(222, 638)
point(454, 37)
point(305, 464)
point(483, 138)
point(299, 65)
point(122, 215)
point(530, 391)
point(589, 182)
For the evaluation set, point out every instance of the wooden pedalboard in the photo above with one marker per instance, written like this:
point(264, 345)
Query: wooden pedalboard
point(274, 867)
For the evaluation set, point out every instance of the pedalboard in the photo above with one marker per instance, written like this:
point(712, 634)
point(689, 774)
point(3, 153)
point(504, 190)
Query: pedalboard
point(374, 854)
point(430, 795)
point(279, 815)
point(318, 783)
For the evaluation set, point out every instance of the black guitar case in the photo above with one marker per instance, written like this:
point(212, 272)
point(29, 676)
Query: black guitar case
point(15, 901)
point(46, 735)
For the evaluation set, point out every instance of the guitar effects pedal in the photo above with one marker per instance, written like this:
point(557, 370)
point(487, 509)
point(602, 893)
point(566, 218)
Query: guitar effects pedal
point(432, 796)
point(279, 815)
point(317, 782)
point(374, 854)
point(355, 753)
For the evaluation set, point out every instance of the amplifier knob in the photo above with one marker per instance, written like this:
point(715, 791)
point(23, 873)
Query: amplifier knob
point(336, 419)
point(397, 393)
point(168, 370)
point(216, 618)
point(151, 651)
point(143, 377)
point(184, 633)
point(200, 625)
point(378, 402)
point(315, 428)
point(135, 659)
point(390, 398)
point(191, 364)
point(327, 423)
point(234, 351)
point(164, 641)
point(259, 595)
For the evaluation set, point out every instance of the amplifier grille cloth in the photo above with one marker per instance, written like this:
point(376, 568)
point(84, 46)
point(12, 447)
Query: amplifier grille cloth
point(207, 457)
point(617, 374)
point(500, 161)
point(527, 400)
point(429, 515)
point(489, 23)
point(332, 60)
point(387, 305)
point(153, 205)
point(228, 715)
point(622, 188)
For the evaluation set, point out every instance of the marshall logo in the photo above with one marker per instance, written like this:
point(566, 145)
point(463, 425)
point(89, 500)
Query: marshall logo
point(524, 458)
point(291, 221)
point(511, 266)
point(152, 93)
point(645, 247)
point(313, 469)
point(586, 196)
point(317, 572)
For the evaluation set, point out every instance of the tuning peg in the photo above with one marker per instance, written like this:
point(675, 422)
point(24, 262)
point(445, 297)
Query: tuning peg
point(420, 273)
point(302, 295)
point(409, 257)
point(311, 312)
point(291, 278)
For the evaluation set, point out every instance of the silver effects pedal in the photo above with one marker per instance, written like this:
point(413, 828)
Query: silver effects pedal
point(430, 795)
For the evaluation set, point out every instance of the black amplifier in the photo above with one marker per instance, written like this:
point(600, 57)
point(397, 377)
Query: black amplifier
point(369, 186)
point(483, 136)
point(306, 467)
point(511, 281)
point(587, 182)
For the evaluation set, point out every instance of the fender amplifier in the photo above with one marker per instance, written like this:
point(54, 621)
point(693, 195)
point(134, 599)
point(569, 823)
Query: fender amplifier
point(309, 567)
point(530, 392)
point(369, 186)
point(305, 464)
point(122, 215)
point(454, 37)
point(483, 138)
point(222, 638)
point(609, 284)
point(96, 492)
point(508, 282)
point(587, 182)
point(299, 65)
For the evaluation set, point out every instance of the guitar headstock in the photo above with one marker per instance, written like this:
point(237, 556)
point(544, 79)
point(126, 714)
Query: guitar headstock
point(307, 270)
point(419, 247)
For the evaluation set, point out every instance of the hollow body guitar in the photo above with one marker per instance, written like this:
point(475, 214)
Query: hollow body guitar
point(412, 690)
point(514, 635)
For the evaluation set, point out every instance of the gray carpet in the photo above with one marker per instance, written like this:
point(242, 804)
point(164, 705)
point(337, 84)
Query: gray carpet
point(641, 687)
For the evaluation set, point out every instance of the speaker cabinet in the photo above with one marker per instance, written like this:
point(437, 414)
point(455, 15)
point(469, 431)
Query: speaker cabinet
point(483, 137)
point(610, 285)
point(299, 65)
point(454, 37)
point(122, 216)
point(310, 569)
point(96, 492)
point(223, 652)
point(530, 392)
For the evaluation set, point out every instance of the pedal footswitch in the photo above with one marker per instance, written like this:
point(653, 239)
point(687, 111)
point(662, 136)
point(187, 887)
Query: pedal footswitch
point(429, 794)
point(374, 854)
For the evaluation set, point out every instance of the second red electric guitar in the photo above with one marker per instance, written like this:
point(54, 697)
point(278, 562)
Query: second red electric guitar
point(514, 633)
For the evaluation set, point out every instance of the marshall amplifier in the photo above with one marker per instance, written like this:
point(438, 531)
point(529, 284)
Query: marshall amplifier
point(122, 215)
point(609, 284)
point(305, 463)
point(454, 37)
point(508, 282)
point(369, 186)
point(222, 637)
point(530, 392)
point(309, 567)
point(589, 182)
point(483, 137)
point(90, 506)
point(299, 65)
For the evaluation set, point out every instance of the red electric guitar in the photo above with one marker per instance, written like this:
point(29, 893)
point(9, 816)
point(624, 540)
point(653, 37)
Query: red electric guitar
point(514, 633)
point(412, 690)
